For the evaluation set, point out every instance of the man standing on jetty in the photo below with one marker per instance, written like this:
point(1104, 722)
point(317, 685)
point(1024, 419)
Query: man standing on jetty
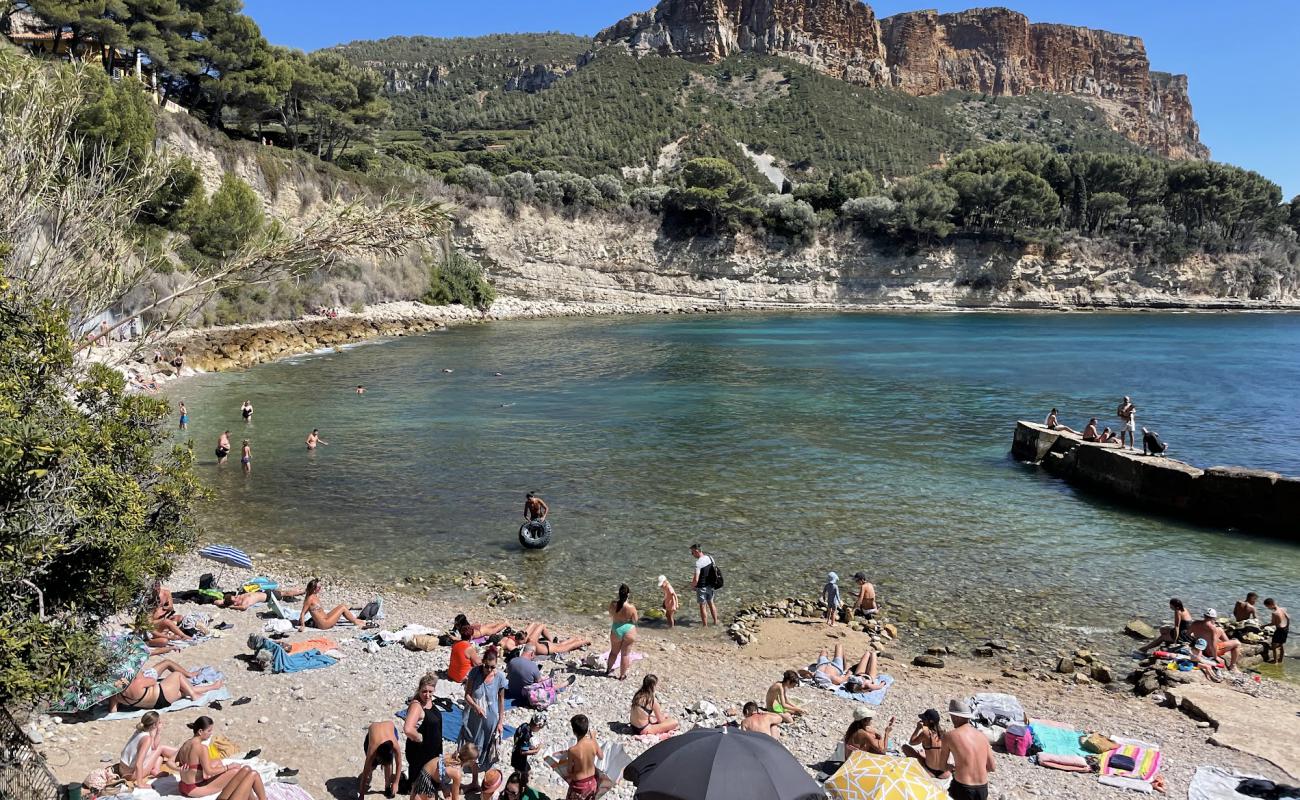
point(972, 757)
point(535, 508)
point(1128, 414)
point(705, 584)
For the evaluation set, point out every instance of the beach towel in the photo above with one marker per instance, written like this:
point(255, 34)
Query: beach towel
point(604, 659)
point(454, 719)
point(281, 610)
point(317, 643)
point(1064, 763)
point(167, 786)
point(1132, 784)
point(1055, 740)
point(871, 698)
point(282, 661)
point(1146, 762)
point(1213, 783)
point(205, 699)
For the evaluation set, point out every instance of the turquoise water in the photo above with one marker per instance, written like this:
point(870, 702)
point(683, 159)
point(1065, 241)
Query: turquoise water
point(788, 445)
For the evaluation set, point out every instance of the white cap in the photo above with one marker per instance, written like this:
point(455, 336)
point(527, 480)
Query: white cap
point(662, 580)
point(863, 712)
point(1210, 614)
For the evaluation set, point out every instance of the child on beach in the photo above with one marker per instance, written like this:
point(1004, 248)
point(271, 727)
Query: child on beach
point(831, 596)
point(671, 603)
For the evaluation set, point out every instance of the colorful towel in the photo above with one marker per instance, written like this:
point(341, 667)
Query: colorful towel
point(871, 698)
point(1057, 741)
point(299, 662)
point(1064, 763)
point(318, 643)
point(1146, 759)
point(205, 699)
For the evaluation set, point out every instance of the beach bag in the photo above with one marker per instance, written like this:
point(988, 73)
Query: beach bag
point(541, 695)
point(1096, 743)
point(714, 578)
point(1017, 740)
point(424, 642)
point(372, 610)
point(207, 581)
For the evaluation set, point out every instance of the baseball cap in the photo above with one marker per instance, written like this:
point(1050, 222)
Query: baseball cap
point(1210, 614)
point(930, 715)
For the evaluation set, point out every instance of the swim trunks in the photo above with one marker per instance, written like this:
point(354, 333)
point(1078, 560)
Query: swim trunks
point(1280, 635)
point(222, 452)
point(584, 789)
point(960, 791)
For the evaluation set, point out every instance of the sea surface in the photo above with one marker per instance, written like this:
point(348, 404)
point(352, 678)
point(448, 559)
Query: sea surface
point(787, 444)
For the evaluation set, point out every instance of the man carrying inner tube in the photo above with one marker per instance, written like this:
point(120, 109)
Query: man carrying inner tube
point(535, 508)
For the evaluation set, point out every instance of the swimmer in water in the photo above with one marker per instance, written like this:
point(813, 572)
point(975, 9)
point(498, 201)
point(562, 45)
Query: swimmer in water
point(535, 508)
point(185, 417)
point(223, 447)
point(247, 411)
point(447, 370)
point(246, 457)
point(361, 389)
point(314, 439)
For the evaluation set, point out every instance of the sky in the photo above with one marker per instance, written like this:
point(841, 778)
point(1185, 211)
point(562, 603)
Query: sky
point(1242, 59)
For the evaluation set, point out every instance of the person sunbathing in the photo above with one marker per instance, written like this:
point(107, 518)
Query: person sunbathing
point(830, 672)
point(481, 629)
point(246, 600)
point(778, 702)
point(540, 637)
point(647, 718)
point(1054, 425)
point(322, 619)
point(158, 687)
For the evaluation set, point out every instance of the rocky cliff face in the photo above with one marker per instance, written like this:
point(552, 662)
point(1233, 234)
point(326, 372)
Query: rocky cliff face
point(990, 50)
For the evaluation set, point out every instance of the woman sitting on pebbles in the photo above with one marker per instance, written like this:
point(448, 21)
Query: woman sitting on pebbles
point(441, 776)
point(778, 702)
point(144, 755)
point(200, 776)
point(926, 744)
point(311, 605)
point(647, 718)
point(622, 632)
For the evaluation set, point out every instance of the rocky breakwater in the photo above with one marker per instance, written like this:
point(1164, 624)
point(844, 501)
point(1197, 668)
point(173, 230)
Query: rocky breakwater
point(744, 627)
point(1233, 497)
point(987, 50)
point(1171, 666)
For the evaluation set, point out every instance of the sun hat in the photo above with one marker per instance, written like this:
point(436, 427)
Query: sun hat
point(661, 581)
point(930, 715)
point(863, 712)
point(832, 577)
point(1210, 614)
point(957, 708)
point(1201, 644)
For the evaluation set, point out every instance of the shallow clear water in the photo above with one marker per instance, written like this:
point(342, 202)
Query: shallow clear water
point(788, 445)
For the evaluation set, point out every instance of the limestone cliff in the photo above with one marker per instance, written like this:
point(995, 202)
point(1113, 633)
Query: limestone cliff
point(989, 50)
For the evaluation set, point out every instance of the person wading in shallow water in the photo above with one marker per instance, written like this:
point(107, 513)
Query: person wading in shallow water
point(535, 508)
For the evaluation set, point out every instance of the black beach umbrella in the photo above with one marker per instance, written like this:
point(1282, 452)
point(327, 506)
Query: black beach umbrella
point(720, 764)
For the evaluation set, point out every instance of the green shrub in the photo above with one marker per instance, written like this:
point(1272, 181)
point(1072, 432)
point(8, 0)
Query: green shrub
point(222, 224)
point(118, 115)
point(164, 208)
point(458, 279)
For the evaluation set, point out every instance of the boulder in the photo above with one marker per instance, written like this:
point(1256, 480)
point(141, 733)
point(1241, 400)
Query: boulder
point(1140, 630)
point(1102, 674)
point(1064, 665)
point(927, 660)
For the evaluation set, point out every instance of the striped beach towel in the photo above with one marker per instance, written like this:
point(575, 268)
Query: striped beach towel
point(1146, 760)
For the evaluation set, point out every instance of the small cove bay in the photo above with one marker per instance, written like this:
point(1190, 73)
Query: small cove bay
point(788, 445)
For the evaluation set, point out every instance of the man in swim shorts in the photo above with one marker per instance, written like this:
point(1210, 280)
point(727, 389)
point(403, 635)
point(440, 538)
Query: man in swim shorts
point(865, 606)
point(971, 754)
point(1207, 628)
point(223, 447)
point(1281, 622)
point(581, 760)
point(535, 508)
point(1128, 413)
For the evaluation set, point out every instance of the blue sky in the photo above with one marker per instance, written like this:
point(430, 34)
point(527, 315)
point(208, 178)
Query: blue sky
point(1242, 59)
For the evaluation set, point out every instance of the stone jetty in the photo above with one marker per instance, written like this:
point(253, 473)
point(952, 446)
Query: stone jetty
point(1251, 500)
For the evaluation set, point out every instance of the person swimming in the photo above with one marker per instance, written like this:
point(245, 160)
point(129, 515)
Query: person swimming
point(314, 439)
point(247, 411)
point(223, 447)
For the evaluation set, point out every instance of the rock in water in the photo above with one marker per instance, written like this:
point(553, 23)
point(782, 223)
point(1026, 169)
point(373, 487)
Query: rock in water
point(1139, 629)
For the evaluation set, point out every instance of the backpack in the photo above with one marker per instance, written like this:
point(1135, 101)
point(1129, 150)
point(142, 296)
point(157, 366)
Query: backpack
point(714, 578)
point(541, 695)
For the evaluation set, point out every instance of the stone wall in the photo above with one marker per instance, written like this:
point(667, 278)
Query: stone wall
point(1234, 497)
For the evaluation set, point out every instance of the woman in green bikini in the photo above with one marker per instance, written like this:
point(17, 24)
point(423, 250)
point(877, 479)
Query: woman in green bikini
point(622, 632)
point(778, 703)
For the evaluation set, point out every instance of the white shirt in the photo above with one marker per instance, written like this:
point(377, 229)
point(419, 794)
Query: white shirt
point(132, 748)
point(700, 563)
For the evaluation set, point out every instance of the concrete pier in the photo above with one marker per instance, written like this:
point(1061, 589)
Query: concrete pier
point(1233, 497)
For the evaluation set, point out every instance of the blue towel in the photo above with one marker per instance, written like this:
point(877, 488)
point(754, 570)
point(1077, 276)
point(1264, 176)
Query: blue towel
point(1057, 741)
point(283, 662)
point(871, 698)
point(454, 719)
point(207, 698)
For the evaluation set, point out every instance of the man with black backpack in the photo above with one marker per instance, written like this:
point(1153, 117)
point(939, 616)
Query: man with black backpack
point(706, 581)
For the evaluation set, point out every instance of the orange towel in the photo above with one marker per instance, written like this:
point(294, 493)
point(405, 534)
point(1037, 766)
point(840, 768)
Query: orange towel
point(319, 643)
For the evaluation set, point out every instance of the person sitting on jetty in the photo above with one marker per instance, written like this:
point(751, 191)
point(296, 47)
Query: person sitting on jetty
point(756, 720)
point(1207, 628)
point(926, 743)
point(1090, 431)
point(380, 747)
point(312, 607)
point(861, 736)
point(830, 673)
point(203, 776)
point(464, 655)
point(865, 605)
point(1151, 443)
point(831, 597)
point(646, 717)
point(442, 776)
point(1245, 609)
point(1177, 633)
point(480, 629)
point(778, 703)
point(1054, 425)
point(972, 757)
point(1281, 622)
point(1107, 436)
point(158, 687)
